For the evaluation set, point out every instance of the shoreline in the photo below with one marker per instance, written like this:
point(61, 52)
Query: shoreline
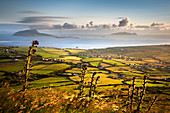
point(133, 46)
point(86, 42)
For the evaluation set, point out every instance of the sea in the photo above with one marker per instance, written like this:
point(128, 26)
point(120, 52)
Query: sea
point(86, 41)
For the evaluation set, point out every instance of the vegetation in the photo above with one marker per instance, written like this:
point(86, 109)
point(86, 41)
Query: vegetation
point(74, 80)
point(92, 59)
point(95, 64)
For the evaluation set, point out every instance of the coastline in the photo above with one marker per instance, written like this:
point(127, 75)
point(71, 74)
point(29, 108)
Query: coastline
point(132, 46)
point(85, 41)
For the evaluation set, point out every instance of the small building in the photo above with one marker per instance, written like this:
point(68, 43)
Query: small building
point(74, 74)
point(167, 79)
point(70, 63)
point(111, 72)
point(101, 67)
point(6, 51)
point(16, 60)
point(60, 60)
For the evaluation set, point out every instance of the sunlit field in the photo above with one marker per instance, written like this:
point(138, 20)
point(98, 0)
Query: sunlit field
point(59, 71)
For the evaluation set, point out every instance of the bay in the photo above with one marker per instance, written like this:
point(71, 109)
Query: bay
point(86, 41)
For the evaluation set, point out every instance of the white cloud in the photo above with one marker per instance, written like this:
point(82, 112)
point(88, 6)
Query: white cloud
point(57, 26)
point(40, 27)
point(142, 26)
point(87, 25)
point(42, 19)
point(105, 26)
point(31, 12)
point(114, 25)
point(156, 24)
point(123, 22)
point(91, 23)
point(82, 26)
point(69, 26)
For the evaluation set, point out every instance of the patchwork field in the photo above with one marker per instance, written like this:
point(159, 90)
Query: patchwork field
point(60, 69)
point(72, 60)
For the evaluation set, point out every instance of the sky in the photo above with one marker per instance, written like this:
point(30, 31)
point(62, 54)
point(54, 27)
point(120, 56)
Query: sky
point(153, 15)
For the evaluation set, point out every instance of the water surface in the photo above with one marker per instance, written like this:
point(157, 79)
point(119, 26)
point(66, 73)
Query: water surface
point(85, 41)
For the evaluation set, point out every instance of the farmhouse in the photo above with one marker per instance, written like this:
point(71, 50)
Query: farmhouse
point(6, 51)
point(16, 60)
point(60, 60)
point(74, 74)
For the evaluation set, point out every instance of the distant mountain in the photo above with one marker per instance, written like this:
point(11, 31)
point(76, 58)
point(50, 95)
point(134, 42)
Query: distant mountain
point(32, 33)
point(124, 33)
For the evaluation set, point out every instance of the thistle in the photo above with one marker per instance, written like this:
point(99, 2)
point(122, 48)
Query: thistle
point(26, 69)
point(152, 103)
point(137, 92)
point(84, 67)
point(129, 92)
point(91, 84)
point(95, 86)
point(131, 97)
point(142, 93)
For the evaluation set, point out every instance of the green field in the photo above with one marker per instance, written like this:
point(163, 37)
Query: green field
point(47, 69)
point(75, 51)
point(56, 51)
point(96, 64)
point(50, 82)
point(92, 59)
point(58, 76)
point(46, 54)
point(114, 62)
point(11, 68)
point(121, 67)
point(71, 58)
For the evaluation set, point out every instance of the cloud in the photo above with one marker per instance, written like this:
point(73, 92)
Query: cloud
point(87, 25)
point(139, 26)
point(106, 26)
point(31, 12)
point(123, 22)
point(91, 23)
point(114, 25)
point(121, 17)
point(69, 26)
point(57, 26)
point(65, 26)
point(40, 27)
point(38, 21)
point(82, 26)
point(42, 19)
point(156, 24)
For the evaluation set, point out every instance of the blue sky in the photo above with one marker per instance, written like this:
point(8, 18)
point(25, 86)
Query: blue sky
point(81, 12)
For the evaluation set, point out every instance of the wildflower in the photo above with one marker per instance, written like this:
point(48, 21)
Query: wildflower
point(35, 42)
point(33, 51)
point(145, 77)
point(94, 73)
point(84, 67)
point(98, 77)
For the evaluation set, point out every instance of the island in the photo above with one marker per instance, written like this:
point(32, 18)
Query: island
point(33, 33)
point(124, 33)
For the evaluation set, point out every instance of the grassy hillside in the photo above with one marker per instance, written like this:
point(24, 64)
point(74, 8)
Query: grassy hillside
point(61, 69)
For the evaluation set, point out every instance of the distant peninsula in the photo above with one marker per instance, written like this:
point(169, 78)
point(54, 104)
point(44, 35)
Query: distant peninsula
point(33, 33)
point(124, 33)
